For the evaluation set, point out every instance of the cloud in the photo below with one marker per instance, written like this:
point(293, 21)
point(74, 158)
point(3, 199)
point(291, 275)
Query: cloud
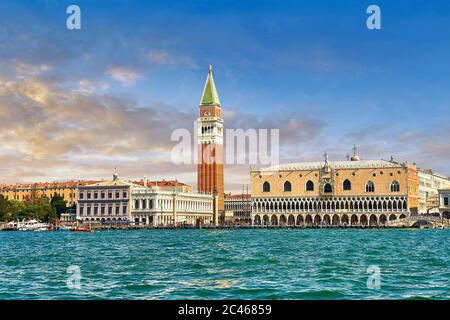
point(160, 57)
point(41, 121)
point(166, 57)
point(59, 118)
point(293, 129)
point(126, 76)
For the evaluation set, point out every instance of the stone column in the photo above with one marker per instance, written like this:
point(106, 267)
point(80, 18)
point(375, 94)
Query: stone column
point(174, 209)
point(216, 208)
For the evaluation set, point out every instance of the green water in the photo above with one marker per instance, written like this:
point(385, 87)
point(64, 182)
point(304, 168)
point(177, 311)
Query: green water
point(226, 264)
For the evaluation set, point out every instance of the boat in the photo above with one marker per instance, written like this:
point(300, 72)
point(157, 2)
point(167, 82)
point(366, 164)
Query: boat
point(31, 225)
point(80, 229)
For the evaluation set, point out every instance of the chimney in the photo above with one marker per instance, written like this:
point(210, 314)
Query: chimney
point(145, 181)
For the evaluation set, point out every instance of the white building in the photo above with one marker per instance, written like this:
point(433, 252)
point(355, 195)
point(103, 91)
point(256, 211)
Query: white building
point(157, 206)
point(429, 184)
point(444, 203)
point(125, 202)
point(238, 208)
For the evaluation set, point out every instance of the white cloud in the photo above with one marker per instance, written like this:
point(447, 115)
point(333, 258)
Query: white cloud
point(124, 75)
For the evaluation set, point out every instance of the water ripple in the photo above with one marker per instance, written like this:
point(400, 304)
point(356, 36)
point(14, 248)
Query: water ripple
point(226, 264)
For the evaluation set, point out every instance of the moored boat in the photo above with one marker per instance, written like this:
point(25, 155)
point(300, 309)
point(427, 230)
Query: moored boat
point(81, 229)
point(31, 225)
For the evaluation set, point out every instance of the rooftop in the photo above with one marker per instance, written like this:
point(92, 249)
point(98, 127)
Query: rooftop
point(163, 183)
point(333, 164)
point(47, 185)
point(210, 96)
point(236, 196)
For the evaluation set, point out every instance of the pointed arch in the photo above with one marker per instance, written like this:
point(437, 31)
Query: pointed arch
point(370, 186)
point(395, 186)
point(274, 220)
point(335, 221)
point(287, 186)
point(344, 219)
point(347, 185)
point(291, 220)
point(309, 186)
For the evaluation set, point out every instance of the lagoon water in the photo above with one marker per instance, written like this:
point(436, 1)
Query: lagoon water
point(226, 264)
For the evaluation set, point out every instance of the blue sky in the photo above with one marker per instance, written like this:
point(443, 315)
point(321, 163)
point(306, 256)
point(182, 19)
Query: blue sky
point(310, 68)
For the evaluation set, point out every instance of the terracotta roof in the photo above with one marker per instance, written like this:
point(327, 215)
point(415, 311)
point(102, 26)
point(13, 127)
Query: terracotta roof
point(47, 185)
point(73, 184)
point(163, 183)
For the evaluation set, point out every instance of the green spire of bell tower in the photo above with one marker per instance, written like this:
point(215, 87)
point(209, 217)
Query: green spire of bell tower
point(210, 96)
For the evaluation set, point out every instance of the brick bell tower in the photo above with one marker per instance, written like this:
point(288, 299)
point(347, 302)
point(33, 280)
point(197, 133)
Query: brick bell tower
point(210, 140)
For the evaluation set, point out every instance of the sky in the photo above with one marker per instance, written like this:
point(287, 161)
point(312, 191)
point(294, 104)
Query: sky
point(75, 104)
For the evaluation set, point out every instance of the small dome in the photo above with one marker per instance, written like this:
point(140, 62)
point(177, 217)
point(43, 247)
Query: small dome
point(355, 157)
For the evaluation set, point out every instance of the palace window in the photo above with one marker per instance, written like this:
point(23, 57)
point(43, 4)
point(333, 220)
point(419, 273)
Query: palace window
point(347, 185)
point(327, 188)
point(395, 186)
point(445, 201)
point(117, 209)
point(124, 209)
point(309, 186)
point(370, 187)
point(287, 186)
point(136, 204)
point(117, 194)
point(266, 187)
point(81, 195)
point(110, 210)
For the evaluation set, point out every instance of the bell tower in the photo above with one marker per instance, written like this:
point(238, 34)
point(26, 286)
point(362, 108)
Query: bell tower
point(210, 139)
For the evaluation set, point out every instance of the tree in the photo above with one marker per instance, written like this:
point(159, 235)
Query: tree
point(4, 208)
point(17, 210)
point(44, 210)
point(33, 198)
point(59, 204)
